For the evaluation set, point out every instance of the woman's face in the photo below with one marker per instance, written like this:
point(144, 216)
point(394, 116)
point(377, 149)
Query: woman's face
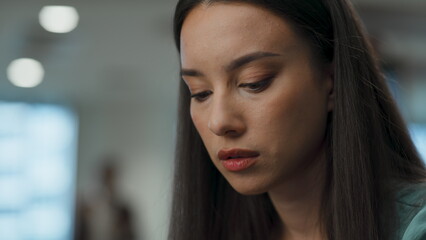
point(259, 101)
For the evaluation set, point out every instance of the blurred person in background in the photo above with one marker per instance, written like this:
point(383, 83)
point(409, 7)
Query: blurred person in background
point(287, 129)
point(104, 215)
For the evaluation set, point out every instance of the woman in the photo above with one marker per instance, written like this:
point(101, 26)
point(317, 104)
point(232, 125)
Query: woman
point(287, 129)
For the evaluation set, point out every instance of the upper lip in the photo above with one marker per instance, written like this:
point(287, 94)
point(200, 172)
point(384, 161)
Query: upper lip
point(225, 154)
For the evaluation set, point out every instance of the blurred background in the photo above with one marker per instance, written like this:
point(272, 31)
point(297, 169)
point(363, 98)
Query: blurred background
point(88, 97)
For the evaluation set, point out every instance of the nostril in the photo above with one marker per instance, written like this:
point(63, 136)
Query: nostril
point(230, 132)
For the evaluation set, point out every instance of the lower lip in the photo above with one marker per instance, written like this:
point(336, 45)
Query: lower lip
point(238, 164)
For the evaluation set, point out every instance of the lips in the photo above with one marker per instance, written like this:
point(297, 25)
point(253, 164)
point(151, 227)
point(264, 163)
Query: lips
point(236, 153)
point(236, 160)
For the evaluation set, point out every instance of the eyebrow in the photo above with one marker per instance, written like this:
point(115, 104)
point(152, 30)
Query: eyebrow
point(235, 64)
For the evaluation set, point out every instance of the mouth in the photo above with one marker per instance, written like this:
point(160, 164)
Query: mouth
point(237, 159)
point(236, 153)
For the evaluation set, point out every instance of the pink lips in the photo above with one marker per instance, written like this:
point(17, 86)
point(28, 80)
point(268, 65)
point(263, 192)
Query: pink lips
point(237, 159)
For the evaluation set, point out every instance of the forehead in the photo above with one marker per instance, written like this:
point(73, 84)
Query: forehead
point(221, 30)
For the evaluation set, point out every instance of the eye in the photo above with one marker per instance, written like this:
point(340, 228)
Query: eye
point(202, 96)
point(257, 86)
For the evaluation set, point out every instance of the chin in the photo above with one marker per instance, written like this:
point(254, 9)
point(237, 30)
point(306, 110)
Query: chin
point(250, 193)
point(248, 188)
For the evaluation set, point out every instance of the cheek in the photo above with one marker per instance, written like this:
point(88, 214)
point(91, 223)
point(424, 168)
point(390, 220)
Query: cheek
point(196, 118)
point(200, 120)
point(294, 121)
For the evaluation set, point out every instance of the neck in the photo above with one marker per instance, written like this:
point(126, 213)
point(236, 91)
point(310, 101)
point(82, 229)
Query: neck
point(298, 201)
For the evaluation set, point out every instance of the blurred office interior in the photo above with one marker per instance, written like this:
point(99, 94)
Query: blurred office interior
point(109, 88)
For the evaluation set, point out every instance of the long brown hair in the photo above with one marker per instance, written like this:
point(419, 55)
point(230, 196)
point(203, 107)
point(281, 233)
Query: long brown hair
point(370, 152)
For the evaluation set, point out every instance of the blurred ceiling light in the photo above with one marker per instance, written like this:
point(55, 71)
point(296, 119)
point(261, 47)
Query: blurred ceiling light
point(25, 72)
point(58, 19)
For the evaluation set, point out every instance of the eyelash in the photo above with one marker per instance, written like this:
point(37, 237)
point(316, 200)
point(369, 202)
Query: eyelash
point(199, 97)
point(255, 87)
point(258, 86)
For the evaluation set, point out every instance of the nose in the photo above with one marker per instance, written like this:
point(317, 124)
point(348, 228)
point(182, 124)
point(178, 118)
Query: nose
point(226, 118)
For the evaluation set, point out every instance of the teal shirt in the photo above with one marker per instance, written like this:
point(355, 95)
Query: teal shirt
point(411, 210)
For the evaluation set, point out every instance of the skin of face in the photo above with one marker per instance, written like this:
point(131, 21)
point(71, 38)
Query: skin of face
point(275, 102)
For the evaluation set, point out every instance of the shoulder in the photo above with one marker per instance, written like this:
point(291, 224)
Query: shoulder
point(411, 208)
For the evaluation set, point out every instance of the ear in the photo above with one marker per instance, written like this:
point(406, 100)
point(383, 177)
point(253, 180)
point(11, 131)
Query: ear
point(329, 78)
